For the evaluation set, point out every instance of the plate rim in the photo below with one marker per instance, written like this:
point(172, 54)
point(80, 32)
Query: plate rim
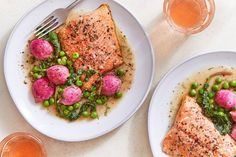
point(160, 82)
point(125, 119)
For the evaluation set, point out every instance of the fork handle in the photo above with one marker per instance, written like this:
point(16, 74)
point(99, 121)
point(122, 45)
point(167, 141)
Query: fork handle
point(72, 5)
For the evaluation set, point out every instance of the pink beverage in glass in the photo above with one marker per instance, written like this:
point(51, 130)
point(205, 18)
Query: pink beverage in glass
point(189, 16)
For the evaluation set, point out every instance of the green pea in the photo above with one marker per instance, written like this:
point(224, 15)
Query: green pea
point(70, 63)
point(104, 99)
point(62, 53)
point(94, 115)
point(86, 94)
point(85, 113)
point(211, 95)
point(201, 91)
point(62, 61)
point(70, 108)
point(232, 83)
point(36, 69)
point(36, 76)
point(46, 103)
point(79, 83)
point(221, 113)
point(99, 102)
point(53, 36)
point(211, 101)
point(120, 72)
point(93, 93)
point(60, 90)
point(218, 80)
point(72, 71)
point(63, 107)
point(59, 61)
point(215, 88)
point(192, 93)
point(91, 98)
point(118, 94)
point(194, 85)
point(93, 88)
point(75, 55)
point(225, 85)
point(66, 112)
point(77, 105)
point(51, 101)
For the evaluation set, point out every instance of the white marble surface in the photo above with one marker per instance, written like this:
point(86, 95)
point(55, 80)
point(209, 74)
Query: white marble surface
point(171, 48)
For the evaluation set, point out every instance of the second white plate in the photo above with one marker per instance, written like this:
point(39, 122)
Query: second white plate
point(159, 110)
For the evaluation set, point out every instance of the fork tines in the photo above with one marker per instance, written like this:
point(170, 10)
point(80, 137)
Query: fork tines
point(46, 26)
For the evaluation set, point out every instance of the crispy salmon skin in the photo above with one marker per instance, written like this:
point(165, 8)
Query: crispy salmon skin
point(194, 135)
point(93, 36)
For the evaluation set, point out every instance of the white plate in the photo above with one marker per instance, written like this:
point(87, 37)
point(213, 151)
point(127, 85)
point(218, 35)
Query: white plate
point(51, 125)
point(158, 116)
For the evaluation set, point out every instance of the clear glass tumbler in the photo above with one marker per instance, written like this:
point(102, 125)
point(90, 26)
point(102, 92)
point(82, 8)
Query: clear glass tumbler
point(22, 145)
point(189, 16)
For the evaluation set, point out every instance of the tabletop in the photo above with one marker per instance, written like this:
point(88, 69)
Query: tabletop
point(170, 47)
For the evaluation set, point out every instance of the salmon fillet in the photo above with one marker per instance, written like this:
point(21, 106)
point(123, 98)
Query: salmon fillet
point(93, 36)
point(194, 135)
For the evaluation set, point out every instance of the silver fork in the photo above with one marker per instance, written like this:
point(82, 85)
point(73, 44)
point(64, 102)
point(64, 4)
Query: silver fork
point(54, 20)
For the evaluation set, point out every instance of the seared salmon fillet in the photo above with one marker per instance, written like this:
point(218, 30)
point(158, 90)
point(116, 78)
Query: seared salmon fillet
point(194, 135)
point(93, 36)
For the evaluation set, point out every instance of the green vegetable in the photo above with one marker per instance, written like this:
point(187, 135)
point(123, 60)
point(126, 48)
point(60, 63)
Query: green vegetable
point(93, 88)
point(70, 63)
point(60, 90)
point(91, 98)
point(120, 72)
point(70, 108)
point(80, 72)
point(75, 55)
point(118, 94)
point(85, 113)
point(73, 116)
point(192, 93)
point(36, 69)
point(46, 103)
point(53, 38)
point(99, 102)
point(232, 83)
point(36, 76)
point(66, 112)
point(86, 94)
point(59, 61)
point(200, 91)
point(79, 83)
point(225, 85)
point(51, 101)
point(62, 53)
point(63, 107)
point(218, 80)
point(219, 116)
point(77, 105)
point(211, 95)
point(215, 88)
point(194, 85)
point(94, 115)
point(211, 101)
point(104, 99)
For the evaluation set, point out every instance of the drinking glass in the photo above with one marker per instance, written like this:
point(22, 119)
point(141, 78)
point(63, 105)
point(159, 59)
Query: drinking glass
point(189, 16)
